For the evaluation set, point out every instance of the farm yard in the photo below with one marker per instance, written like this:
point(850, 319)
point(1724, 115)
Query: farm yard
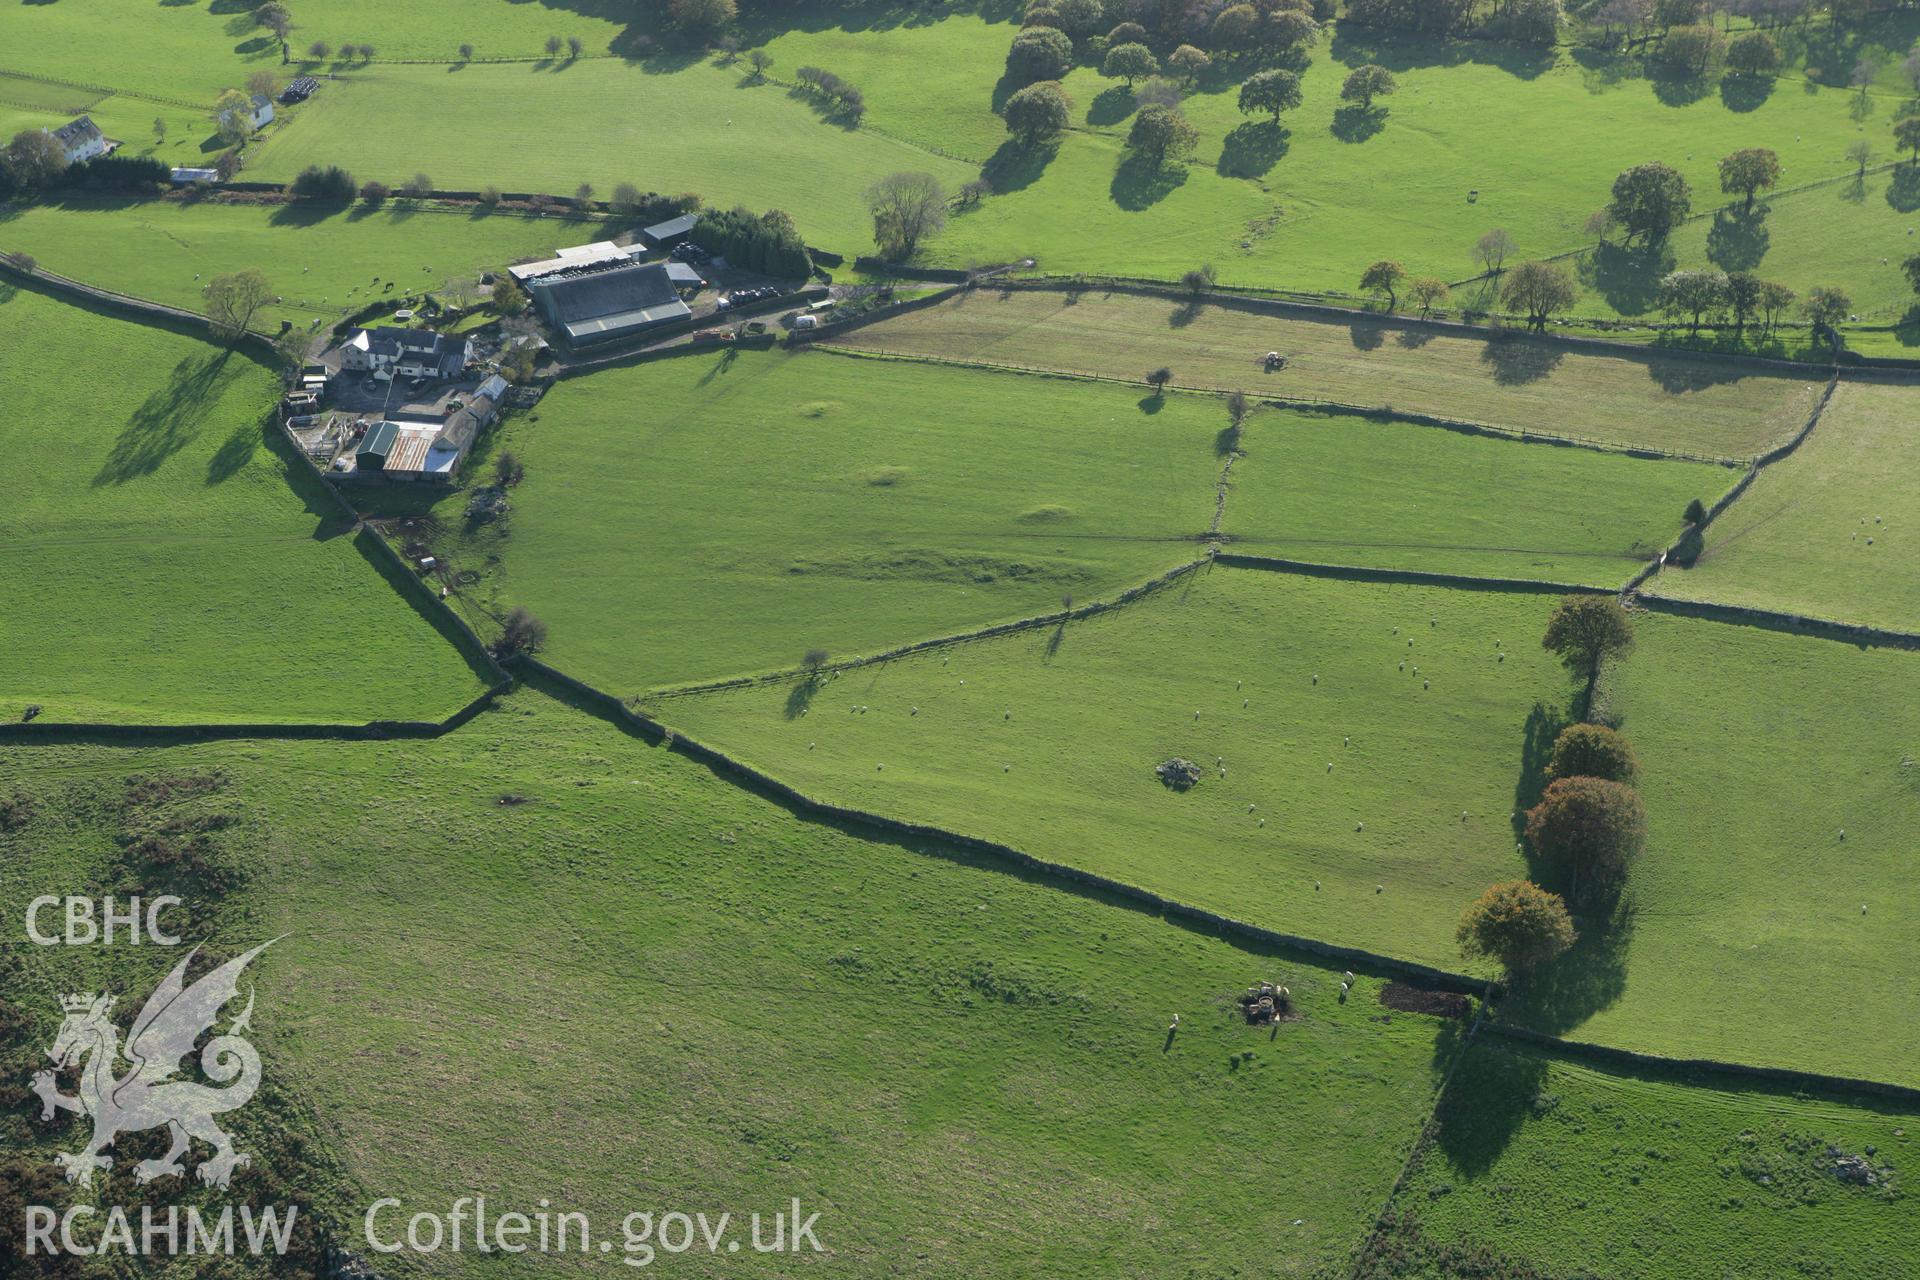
point(1092, 637)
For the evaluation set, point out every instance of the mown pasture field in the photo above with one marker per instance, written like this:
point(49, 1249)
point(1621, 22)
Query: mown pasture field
point(640, 986)
point(1830, 531)
point(1672, 403)
point(1358, 491)
point(1585, 1171)
point(1374, 716)
point(1767, 919)
point(324, 263)
point(710, 515)
point(167, 566)
point(756, 144)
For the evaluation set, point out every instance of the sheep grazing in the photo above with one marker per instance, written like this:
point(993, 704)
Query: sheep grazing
point(1196, 715)
point(1359, 826)
point(1346, 742)
point(1243, 703)
point(1379, 888)
point(1008, 714)
point(1863, 908)
point(1329, 766)
point(914, 712)
point(1403, 664)
point(1426, 684)
point(878, 767)
point(1236, 684)
point(1348, 975)
point(1006, 768)
point(1263, 822)
point(1463, 815)
point(1316, 886)
point(812, 745)
point(1501, 657)
point(1316, 679)
point(1249, 808)
point(1843, 833)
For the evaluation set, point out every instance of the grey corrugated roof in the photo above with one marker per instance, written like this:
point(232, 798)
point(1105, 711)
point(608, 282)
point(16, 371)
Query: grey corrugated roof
point(617, 290)
point(671, 227)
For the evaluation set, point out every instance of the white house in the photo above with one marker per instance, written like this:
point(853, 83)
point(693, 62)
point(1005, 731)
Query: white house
point(408, 353)
point(80, 139)
point(259, 113)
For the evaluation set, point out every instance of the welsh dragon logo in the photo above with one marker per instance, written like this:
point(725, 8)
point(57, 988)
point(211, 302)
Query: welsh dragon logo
point(147, 1096)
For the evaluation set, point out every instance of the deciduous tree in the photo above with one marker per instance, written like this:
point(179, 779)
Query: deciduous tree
point(1129, 62)
point(1649, 200)
point(1273, 91)
point(1038, 113)
point(1594, 750)
point(1492, 250)
point(1518, 925)
point(233, 301)
point(1161, 133)
point(1384, 276)
point(906, 208)
point(1190, 62)
point(1429, 292)
point(1039, 53)
point(1590, 827)
point(1364, 84)
point(1586, 630)
point(1749, 170)
point(1538, 289)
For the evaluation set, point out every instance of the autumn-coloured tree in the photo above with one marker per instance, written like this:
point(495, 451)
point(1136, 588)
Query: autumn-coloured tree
point(1589, 827)
point(1592, 751)
point(1518, 924)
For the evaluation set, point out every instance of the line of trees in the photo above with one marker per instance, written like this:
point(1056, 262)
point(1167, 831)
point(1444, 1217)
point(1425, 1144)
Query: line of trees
point(841, 98)
point(1589, 823)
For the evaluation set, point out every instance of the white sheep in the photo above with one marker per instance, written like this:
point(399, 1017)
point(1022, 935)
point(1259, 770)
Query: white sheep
point(1316, 679)
point(1379, 888)
point(1329, 766)
point(1346, 742)
point(1316, 886)
point(1263, 822)
point(1249, 808)
point(1359, 826)
point(1243, 703)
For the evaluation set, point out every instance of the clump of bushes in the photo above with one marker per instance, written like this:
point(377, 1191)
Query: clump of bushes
point(767, 243)
point(323, 182)
point(520, 633)
point(1592, 751)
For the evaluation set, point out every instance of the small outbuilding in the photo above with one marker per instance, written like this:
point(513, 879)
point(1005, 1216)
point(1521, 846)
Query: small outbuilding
point(665, 235)
point(258, 114)
point(183, 175)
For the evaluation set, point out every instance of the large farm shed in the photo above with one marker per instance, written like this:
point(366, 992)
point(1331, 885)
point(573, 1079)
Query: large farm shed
point(600, 306)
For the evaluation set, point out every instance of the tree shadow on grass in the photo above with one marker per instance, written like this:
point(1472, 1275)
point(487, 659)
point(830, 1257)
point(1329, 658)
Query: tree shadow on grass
point(1357, 124)
point(1186, 313)
point(1745, 93)
point(1111, 106)
point(234, 453)
point(1016, 166)
point(1139, 183)
point(1543, 725)
point(1589, 977)
point(305, 213)
point(1903, 190)
point(1738, 238)
point(1366, 335)
point(1680, 89)
point(1627, 276)
point(1492, 1096)
point(1251, 149)
point(800, 697)
point(167, 421)
point(1515, 362)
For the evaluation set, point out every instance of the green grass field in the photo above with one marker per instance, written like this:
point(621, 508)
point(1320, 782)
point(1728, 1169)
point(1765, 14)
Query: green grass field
point(1583, 1171)
point(1674, 403)
point(716, 514)
point(646, 988)
point(1758, 749)
point(1047, 740)
point(323, 266)
point(1829, 531)
point(1355, 491)
point(167, 565)
point(755, 144)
